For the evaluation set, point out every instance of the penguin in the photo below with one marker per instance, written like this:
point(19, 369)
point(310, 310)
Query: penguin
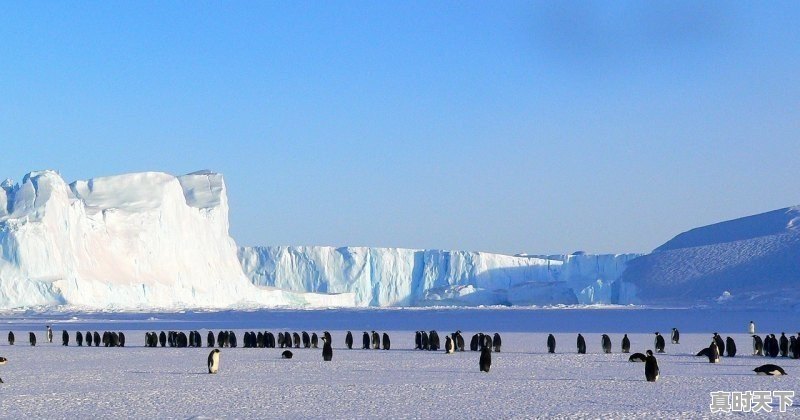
point(676, 336)
point(659, 343)
point(148, 339)
point(637, 357)
point(296, 338)
point(162, 339)
point(88, 339)
point(281, 340)
point(796, 347)
point(581, 345)
point(348, 340)
point(191, 339)
point(730, 346)
point(758, 346)
point(32, 339)
point(113, 339)
point(315, 340)
point(605, 343)
point(417, 340)
point(271, 339)
point(720, 343)
point(327, 351)
point(365, 341)
point(651, 371)
point(769, 370)
point(64, 338)
point(434, 343)
point(327, 335)
point(774, 348)
point(487, 341)
point(784, 346)
point(182, 340)
point(306, 340)
point(287, 339)
point(261, 340)
point(122, 339)
point(706, 352)
point(497, 342)
point(11, 338)
point(713, 353)
point(459, 342)
point(551, 343)
point(481, 341)
point(386, 343)
point(231, 337)
point(79, 339)
point(106, 339)
point(213, 361)
point(752, 328)
point(626, 344)
point(3, 361)
point(449, 347)
point(376, 341)
point(210, 339)
point(425, 341)
point(286, 354)
point(49, 334)
point(473, 343)
point(96, 336)
point(485, 361)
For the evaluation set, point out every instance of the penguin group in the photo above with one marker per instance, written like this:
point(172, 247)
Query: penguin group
point(430, 340)
point(480, 341)
point(771, 346)
point(108, 339)
point(370, 340)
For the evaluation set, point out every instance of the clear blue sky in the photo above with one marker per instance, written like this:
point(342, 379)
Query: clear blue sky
point(541, 127)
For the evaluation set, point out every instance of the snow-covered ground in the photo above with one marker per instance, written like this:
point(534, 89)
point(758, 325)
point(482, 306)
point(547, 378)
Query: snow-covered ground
point(51, 381)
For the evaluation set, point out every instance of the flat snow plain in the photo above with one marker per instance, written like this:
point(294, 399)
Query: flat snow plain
point(52, 381)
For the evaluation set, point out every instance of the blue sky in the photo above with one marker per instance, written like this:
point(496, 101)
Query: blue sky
point(541, 127)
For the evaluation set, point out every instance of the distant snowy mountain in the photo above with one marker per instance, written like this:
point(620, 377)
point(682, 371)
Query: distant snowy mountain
point(413, 277)
point(751, 261)
point(145, 240)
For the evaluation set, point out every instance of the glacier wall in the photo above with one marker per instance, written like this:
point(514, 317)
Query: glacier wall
point(412, 277)
point(144, 240)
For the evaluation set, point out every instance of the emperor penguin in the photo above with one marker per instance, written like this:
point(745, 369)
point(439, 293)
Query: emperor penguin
point(498, 342)
point(424, 340)
point(162, 339)
point(365, 341)
point(306, 340)
point(327, 335)
point(581, 344)
point(638, 357)
point(605, 343)
point(473, 343)
point(676, 336)
point(327, 350)
point(32, 339)
point(659, 343)
point(376, 341)
point(213, 361)
point(64, 338)
point(449, 347)
point(720, 343)
point(210, 339)
point(626, 344)
point(286, 354)
point(88, 339)
point(315, 340)
point(730, 346)
point(758, 346)
point(769, 370)
point(281, 340)
point(348, 340)
point(651, 371)
point(752, 328)
point(296, 338)
point(417, 340)
point(459, 342)
point(11, 338)
point(96, 336)
point(79, 338)
point(433, 341)
point(551, 343)
point(784, 346)
point(386, 343)
point(287, 339)
point(713, 353)
point(774, 348)
point(49, 334)
point(485, 361)
point(3, 361)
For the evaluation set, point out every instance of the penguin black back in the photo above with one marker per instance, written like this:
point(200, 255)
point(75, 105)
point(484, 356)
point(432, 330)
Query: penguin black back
point(551, 343)
point(676, 336)
point(79, 338)
point(730, 346)
point(327, 350)
point(365, 341)
point(386, 343)
point(32, 338)
point(659, 343)
point(637, 357)
point(286, 354)
point(315, 340)
point(64, 338)
point(485, 361)
point(473, 343)
point(306, 340)
point(769, 370)
point(11, 338)
point(581, 344)
point(626, 344)
point(605, 342)
point(348, 340)
point(498, 342)
point(651, 370)
point(210, 339)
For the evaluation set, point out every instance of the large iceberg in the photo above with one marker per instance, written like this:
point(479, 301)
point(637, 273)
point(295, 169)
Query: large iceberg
point(134, 241)
point(413, 277)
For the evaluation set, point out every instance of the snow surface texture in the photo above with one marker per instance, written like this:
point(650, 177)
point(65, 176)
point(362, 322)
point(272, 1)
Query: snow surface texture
point(51, 381)
point(144, 240)
point(751, 261)
point(412, 277)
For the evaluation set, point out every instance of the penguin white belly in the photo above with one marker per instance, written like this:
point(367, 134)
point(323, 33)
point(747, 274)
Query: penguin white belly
point(214, 363)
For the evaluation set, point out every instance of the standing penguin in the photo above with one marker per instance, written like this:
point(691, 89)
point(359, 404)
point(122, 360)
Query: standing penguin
point(210, 339)
point(213, 361)
point(315, 340)
point(297, 341)
point(774, 348)
point(752, 328)
point(796, 347)
point(348, 340)
point(651, 371)
point(758, 346)
point(417, 340)
point(386, 343)
point(376, 341)
point(498, 342)
point(713, 352)
point(676, 336)
point(11, 338)
point(784, 346)
point(88, 339)
point(162, 339)
point(449, 347)
point(327, 350)
point(32, 338)
point(365, 341)
point(730, 345)
point(3, 361)
point(486, 359)
point(459, 341)
point(626, 344)
point(424, 341)
point(720, 343)
point(306, 340)
point(551, 343)
point(64, 338)
point(79, 338)
point(659, 343)
point(96, 336)
point(473, 343)
point(49, 334)
point(605, 343)
point(581, 345)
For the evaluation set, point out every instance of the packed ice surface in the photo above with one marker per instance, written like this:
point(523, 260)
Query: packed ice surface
point(413, 277)
point(143, 240)
point(751, 261)
point(52, 381)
